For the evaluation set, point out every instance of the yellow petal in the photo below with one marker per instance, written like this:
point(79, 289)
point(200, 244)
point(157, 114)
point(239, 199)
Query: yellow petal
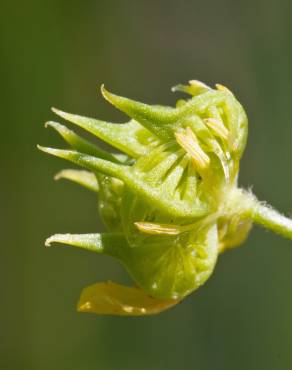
point(115, 299)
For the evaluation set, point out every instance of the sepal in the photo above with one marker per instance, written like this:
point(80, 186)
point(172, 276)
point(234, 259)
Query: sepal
point(80, 144)
point(156, 119)
point(89, 162)
point(131, 138)
point(83, 178)
point(107, 243)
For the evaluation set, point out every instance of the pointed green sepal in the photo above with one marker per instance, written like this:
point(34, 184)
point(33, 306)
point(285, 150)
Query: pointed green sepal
point(156, 119)
point(89, 162)
point(83, 178)
point(107, 243)
point(131, 138)
point(80, 144)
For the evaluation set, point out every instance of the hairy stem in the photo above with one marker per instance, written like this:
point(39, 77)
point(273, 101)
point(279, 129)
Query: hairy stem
point(263, 214)
point(271, 219)
point(246, 205)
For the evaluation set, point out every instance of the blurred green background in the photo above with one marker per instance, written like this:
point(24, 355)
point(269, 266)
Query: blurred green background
point(58, 53)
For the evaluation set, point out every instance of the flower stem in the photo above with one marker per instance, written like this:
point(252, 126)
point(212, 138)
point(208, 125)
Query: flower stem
point(268, 217)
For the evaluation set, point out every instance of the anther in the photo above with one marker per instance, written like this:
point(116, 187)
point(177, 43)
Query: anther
point(190, 144)
point(217, 127)
point(157, 229)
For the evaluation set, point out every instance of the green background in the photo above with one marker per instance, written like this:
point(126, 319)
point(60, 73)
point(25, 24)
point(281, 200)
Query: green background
point(58, 53)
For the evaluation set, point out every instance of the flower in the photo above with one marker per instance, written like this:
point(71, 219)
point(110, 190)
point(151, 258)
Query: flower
point(170, 200)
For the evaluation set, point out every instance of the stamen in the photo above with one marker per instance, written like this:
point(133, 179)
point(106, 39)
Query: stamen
point(190, 144)
point(158, 229)
point(218, 127)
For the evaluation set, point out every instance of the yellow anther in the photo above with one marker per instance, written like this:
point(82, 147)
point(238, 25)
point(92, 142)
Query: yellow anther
point(190, 144)
point(218, 127)
point(158, 229)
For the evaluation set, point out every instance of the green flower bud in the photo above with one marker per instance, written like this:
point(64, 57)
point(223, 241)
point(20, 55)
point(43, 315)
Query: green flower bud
point(171, 202)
